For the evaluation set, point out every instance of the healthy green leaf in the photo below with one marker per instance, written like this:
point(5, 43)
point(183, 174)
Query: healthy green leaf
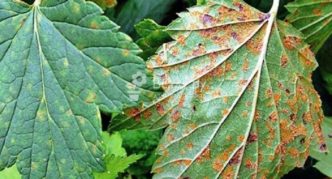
point(116, 158)
point(324, 163)
point(313, 18)
point(10, 173)
point(60, 61)
point(116, 165)
point(238, 99)
point(113, 145)
point(152, 37)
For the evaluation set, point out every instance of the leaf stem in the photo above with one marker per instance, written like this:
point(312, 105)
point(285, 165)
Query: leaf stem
point(37, 3)
point(274, 8)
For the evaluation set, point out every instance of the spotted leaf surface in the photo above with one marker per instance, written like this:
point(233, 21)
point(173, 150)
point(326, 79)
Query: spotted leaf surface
point(60, 61)
point(239, 100)
point(324, 163)
point(313, 18)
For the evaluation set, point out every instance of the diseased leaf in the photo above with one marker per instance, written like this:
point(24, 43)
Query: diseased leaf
point(324, 163)
point(152, 37)
point(238, 99)
point(60, 61)
point(313, 18)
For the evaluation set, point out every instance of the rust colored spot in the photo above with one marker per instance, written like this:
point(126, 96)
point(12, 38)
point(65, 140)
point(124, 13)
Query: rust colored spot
point(217, 165)
point(133, 112)
point(290, 42)
point(199, 50)
point(274, 116)
point(294, 152)
point(317, 12)
point(170, 137)
point(181, 101)
point(241, 138)
point(323, 148)
point(243, 82)
point(228, 66)
point(225, 112)
point(245, 65)
point(176, 116)
point(276, 98)
point(254, 46)
point(159, 60)
point(284, 61)
point(181, 39)
point(160, 109)
point(228, 137)
point(252, 138)
point(207, 19)
point(245, 113)
point(216, 93)
point(94, 25)
point(146, 114)
point(236, 159)
point(249, 164)
point(175, 51)
point(292, 117)
point(190, 146)
point(205, 155)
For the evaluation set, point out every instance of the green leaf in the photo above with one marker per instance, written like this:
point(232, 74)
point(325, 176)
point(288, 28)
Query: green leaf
point(61, 61)
point(324, 163)
point(313, 18)
point(116, 165)
point(116, 158)
point(152, 37)
point(10, 173)
point(113, 145)
point(238, 99)
point(134, 11)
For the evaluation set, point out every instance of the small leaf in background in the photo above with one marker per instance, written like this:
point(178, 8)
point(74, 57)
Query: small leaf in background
point(313, 18)
point(152, 36)
point(10, 173)
point(238, 99)
point(142, 142)
point(62, 61)
point(113, 144)
point(116, 158)
point(324, 163)
point(133, 11)
point(105, 3)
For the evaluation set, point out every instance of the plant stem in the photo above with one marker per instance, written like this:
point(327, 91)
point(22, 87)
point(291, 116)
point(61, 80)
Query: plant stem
point(37, 3)
point(274, 8)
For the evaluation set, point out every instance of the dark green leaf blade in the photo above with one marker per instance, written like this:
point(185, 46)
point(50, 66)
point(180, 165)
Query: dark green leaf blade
point(60, 61)
point(152, 36)
point(313, 18)
point(238, 99)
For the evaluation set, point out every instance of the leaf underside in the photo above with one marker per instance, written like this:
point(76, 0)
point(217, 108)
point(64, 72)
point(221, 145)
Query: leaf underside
point(313, 19)
point(238, 97)
point(60, 62)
